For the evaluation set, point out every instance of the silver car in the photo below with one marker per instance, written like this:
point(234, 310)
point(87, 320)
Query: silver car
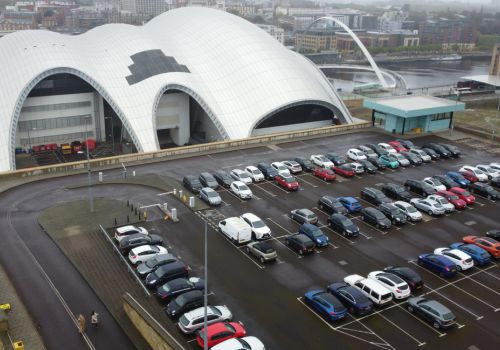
point(210, 196)
point(193, 320)
point(262, 251)
point(428, 206)
point(432, 311)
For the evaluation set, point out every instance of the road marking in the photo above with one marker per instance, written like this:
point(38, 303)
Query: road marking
point(340, 235)
point(421, 321)
point(274, 222)
point(486, 272)
point(149, 206)
point(307, 182)
point(481, 284)
point(451, 301)
point(270, 193)
point(420, 343)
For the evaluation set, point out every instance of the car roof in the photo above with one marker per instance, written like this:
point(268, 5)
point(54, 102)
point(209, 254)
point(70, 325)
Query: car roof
point(349, 199)
point(142, 248)
point(196, 313)
point(252, 167)
point(250, 216)
point(190, 177)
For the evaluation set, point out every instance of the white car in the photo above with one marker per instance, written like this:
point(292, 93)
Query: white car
point(259, 229)
point(444, 202)
point(461, 259)
point(409, 210)
point(425, 157)
point(478, 172)
point(356, 154)
point(495, 166)
point(435, 184)
point(402, 159)
point(428, 206)
point(398, 287)
point(321, 161)
point(191, 321)
point(241, 175)
point(388, 147)
point(245, 343)
point(357, 167)
point(281, 168)
point(241, 190)
point(488, 170)
point(292, 166)
point(255, 173)
point(125, 231)
point(144, 252)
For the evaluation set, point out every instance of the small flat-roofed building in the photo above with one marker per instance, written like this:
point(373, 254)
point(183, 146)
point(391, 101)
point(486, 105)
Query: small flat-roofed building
point(485, 81)
point(403, 114)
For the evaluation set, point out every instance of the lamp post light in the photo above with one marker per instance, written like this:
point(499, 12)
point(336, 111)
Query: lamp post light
point(89, 172)
point(29, 138)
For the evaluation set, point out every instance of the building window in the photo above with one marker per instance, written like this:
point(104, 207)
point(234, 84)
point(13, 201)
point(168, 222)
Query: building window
point(440, 116)
point(53, 123)
point(55, 107)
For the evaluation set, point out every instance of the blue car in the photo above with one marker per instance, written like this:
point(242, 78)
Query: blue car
point(352, 298)
point(315, 234)
point(439, 264)
point(350, 203)
point(478, 254)
point(325, 304)
point(458, 178)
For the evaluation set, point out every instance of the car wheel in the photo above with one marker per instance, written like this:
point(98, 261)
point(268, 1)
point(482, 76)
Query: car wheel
point(436, 325)
point(459, 268)
point(344, 233)
point(262, 260)
point(410, 308)
point(429, 212)
point(248, 250)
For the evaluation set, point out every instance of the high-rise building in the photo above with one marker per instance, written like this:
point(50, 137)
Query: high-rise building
point(460, 32)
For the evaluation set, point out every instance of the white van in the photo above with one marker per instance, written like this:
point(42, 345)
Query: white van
point(236, 229)
point(377, 293)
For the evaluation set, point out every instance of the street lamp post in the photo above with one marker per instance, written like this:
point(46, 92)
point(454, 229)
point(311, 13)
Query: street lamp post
point(91, 196)
point(29, 138)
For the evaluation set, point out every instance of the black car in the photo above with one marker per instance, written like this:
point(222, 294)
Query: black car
point(192, 183)
point(207, 180)
point(178, 286)
point(342, 224)
point(375, 217)
point(495, 182)
point(143, 269)
point(412, 157)
point(377, 149)
point(419, 187)
point(484, 190)
point(454, 150)
point(165, 273)
point(184, 303)
point(406, 143)
point(443, 152)
point(331, 205)
point(335, 158)
point(494, 234)
point(268, 171)
point(377, 163)
point(396, 192)
point(352, 298)
point(135, 240)
point(433, 154)
point(369, 167)
point(305, 163)
point(393, 213)
point(223, 178)
point(446, 180)
point(408, 275)
point(300, 243)
point(374, 196)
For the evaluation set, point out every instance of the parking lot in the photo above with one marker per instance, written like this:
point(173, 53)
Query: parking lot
point(267, 298)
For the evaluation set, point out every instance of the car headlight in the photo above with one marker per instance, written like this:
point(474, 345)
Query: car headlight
point(318, 240)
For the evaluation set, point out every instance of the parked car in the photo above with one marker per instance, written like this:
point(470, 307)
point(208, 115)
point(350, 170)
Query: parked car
point(395, 191)
point(281, 168)
point(260, 230)
point(125, 231)
point(255, 173)
point(300, 243)
point(342, 224)
point(325, 304)
point(357, 167)
point(484, 190)
point(428, 206)
point(421, 153)
point(210, 196)
point(292, 166)
point(462, 260)
point(448, 207)
point(375, 217)
point(324, 174)
point(165, 273)
point(241, 190)
point(389, 162)
point(374, 196)
point(331, 205)
point(451, 197)
point(412, 214)
point(491, 245)
point(406, 143)
point(315, 234)
point(408, 275)
point(303, 216)
point(352, 298)
point(144, 252)
point(458, 178)
point(481, 175)
point(453, 150)
point(336, 159)
point(138, 239)
point(439, 264)
point(402, 160)
point(207, 180)
point(321, 161)
point(192, 183)
point(378, 294)
point(463, 195)
point(223, 178)
point(479, 255)
point(432, 311)
point(350, 203)
point(344, 170)
point(419, 187)
point(412, 158)
point(368, 166)
point(387, 148)
point(495, 182)
point(443, 152)
point(469, 175)
point(236, 229)
point(143, 269)
point(393, 213)
point(377, 149)
point(398, 287)
point(433, 154)
point(495, 166)
point(305, 163)
point(192, 320)
point(446, 181)
point(170, 290)
point(398, 146)
point(356, 154)
point(434, 183)
point(241, 176)
point(262, 251)
point(218, 332)
point(493, 234)
point(268, 171)
point(368, 152)
point(244, 343)
point(288, 182)
point(378, 163)
point(185, 302)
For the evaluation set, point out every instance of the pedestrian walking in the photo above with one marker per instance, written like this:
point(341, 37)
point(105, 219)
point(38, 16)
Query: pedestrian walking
point(94, 319)
point(81, 324)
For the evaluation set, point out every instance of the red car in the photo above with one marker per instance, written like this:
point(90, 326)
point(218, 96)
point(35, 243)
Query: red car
point(325, 174)
point(463, 195)
point(220, 331)
point(398, 146)
point(345, 170)
point(287, 182)
point(469, 175)
point(489, 244)
point(453, 199)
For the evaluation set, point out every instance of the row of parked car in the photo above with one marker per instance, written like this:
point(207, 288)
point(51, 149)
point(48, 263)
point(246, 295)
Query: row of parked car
point(182, 294)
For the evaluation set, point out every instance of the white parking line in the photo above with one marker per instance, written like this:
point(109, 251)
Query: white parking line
point(269, 193)
point(486, 272)
point(340, 235)
point(481, 284)
point(420, 343)
point(451, 301)
point(274, 222)
point(307, 182)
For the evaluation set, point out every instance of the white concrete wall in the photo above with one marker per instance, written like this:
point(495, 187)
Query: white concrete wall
point(291, 127)
point(173, 114)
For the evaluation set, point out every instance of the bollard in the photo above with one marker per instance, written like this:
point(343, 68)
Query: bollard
point(100, 176)
point(173, 214)
point(116, 223)
point(180, 193)
point(175, 191)
point(133, 173)
point(128, 219)
point(191, 202)
point(145, 216)
point(165, 206)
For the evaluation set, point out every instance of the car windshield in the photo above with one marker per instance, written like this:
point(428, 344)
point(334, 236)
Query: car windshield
point(438, 205)
point(442, 201)
point(448, 316)
point(488, 188)
point(258, 224)
point(311, 216)
point(243, 187)
point(306, 162)
point(400, 156)
point(195, 183)
point(323, 159)
point(289, 179)
point(212, 194)
point(454, 198)
point(165, 288)
point(280, 167)
point(317, 233)
point(466, 193)
point(480, 172)
point(151, 262)
point(337, 205)
point(378, 215)
point(243, 175)
point(346, 167)
point(183, 320)
point(347, 222)
point(256, 172)
point(230, 327)
point(410, 209)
